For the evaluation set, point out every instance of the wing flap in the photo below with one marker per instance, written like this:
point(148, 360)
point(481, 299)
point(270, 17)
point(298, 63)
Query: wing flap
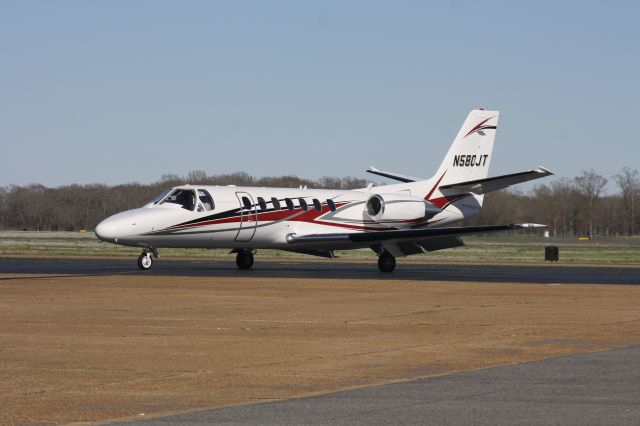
point(483, 186)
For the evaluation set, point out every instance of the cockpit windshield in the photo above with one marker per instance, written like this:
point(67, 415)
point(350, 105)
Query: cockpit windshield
point(186, 198)
point(160, 196)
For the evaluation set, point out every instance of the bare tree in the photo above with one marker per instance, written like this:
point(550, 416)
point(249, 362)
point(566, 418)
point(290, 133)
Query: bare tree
point(169, 177)
point(629, 184)
point(197, 176)
point(350, 182)
point(566, 203)
point(329, 182)
point(591, 184)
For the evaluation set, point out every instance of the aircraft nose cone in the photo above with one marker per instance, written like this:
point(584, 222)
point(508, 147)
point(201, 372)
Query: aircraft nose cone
point(120, 227)
point(106, 231)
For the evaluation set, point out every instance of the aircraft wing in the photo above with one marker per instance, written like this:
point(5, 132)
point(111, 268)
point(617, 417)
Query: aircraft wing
point(482, 186)
point(392, 175)
point(400, 236)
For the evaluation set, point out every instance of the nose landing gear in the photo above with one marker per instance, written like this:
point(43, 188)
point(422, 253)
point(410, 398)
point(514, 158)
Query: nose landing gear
point(244, 259)
point(145, 260)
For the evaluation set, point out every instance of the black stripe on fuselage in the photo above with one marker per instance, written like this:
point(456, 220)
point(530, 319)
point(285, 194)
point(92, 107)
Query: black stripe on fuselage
point(223, 215)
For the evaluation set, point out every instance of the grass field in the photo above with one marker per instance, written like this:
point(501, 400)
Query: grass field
point(504, 248)
point(93, 348)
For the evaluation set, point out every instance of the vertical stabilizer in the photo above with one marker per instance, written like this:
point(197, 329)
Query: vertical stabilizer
point(470, 154)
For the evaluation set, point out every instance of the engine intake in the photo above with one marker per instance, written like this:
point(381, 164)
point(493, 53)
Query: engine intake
point(399, 210)
point(375, 205)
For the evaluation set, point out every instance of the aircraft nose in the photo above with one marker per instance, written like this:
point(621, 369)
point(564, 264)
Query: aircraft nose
point(119, 227)
point(107, 230)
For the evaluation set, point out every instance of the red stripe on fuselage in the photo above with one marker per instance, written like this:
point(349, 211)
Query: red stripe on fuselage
point(447, 199)
point(434, 187)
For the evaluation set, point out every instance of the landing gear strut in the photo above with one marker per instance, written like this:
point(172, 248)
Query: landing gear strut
point(145, 261)
point(386, 262)
point(244, 259)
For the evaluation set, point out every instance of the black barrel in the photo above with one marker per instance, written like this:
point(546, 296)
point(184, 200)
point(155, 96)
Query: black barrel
point(551, 253)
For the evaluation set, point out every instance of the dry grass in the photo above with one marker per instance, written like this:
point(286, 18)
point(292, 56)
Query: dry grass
point(98, 348)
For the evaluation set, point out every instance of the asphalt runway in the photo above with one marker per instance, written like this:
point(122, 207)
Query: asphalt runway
point(586, 389)
point(543, 274)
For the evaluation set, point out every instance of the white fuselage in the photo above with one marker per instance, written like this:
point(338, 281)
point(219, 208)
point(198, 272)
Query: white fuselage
point(272, 214)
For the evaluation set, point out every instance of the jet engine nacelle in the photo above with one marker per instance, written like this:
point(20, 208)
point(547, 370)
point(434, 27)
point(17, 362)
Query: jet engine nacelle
point(399, 210)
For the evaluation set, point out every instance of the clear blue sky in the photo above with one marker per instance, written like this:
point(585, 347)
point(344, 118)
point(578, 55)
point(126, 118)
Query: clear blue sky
point(122, 91)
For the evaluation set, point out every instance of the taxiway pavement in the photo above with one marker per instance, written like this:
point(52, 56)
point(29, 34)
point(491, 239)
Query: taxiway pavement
point(586, 389)
point(508, 273)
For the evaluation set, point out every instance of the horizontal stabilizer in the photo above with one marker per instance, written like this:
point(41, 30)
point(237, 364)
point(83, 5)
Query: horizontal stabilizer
point(392, 175)
point(373, 237)
point(483, 186)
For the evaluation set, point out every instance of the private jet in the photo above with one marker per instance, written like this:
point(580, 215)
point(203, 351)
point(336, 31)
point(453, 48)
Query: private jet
point(409, 217)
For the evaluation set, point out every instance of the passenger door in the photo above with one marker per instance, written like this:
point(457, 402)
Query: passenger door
point(248, 217)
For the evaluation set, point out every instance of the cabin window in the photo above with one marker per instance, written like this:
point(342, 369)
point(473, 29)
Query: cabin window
point(206, 200)
point(317, 204)
point(289, 203)
point(332, 205)
point(247, 203)
point(262, 203)
point(276, 203)
point(185, 198)
point(303, 204)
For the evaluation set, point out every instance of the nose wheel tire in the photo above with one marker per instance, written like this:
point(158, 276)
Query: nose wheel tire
point(145, 261)
point(244, 259)
point(386, 262)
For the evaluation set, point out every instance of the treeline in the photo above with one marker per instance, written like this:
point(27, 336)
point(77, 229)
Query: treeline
point(75, 207)
point(570, 207)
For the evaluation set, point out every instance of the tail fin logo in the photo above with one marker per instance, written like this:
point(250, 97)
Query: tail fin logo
point(479, 127)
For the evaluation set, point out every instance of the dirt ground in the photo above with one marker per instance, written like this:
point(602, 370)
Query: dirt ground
point(98, 348)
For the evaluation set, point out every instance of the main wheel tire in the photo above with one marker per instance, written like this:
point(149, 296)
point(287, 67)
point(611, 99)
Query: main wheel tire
point(145, 261)
point(244, 259)
point(386, 262)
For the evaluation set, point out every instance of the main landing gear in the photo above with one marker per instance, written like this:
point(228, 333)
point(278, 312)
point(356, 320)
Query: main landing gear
point(386, 262)
point(244, 259)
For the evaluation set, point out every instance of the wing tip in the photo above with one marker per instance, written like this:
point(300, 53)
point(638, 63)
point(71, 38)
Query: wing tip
point(528, 225)
point(543, 170)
